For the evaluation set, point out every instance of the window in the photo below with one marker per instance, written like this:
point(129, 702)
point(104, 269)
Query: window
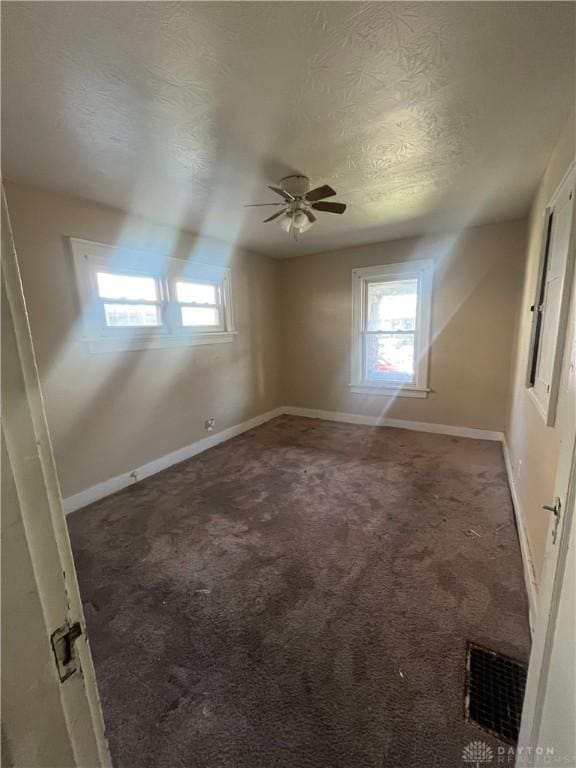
point(391, 329)
point(134, 301)
point(200, 304)
point(551, 301)
point(129, 301)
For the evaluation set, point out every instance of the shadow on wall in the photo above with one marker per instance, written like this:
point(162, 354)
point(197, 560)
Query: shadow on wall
point(111, 412)
point(475, 299)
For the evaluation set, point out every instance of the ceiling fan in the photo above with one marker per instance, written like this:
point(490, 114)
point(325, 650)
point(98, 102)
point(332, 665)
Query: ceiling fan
point(299, 202)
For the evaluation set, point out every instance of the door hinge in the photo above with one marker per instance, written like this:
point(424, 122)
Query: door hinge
point(63, 640)
point(555, 509)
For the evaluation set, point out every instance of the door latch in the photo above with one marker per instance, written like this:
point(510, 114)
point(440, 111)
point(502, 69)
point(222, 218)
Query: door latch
point(556, 512)
point(63, 640)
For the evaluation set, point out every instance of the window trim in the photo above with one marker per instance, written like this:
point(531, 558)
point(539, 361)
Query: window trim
point(90, 257)
point(422, 270)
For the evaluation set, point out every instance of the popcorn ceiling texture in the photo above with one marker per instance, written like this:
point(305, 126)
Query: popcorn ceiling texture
point(417, 113)
point(301, 597)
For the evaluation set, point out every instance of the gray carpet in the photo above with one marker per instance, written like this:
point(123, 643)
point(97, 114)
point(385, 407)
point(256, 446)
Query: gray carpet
point(301, 597)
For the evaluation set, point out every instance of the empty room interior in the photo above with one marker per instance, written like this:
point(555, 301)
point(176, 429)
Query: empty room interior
point(288, 384)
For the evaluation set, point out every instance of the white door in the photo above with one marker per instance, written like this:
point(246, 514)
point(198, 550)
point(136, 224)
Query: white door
point(51, 715)
point(558, 717)
point(549, 714)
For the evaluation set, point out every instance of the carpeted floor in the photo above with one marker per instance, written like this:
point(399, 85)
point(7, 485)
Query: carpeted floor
point(301, 597)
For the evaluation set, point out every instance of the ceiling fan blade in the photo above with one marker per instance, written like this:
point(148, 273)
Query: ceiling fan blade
point(320, 193)
point(260, 205)
point(274, 216)
point(329, 207)
point(282, 193)
point(310, 215)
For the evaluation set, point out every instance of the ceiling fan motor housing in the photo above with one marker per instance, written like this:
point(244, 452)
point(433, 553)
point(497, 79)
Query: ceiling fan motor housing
point(297, 186)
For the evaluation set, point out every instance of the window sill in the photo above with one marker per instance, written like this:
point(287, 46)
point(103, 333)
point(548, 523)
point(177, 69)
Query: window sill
point(158, 341)
point(388, 391)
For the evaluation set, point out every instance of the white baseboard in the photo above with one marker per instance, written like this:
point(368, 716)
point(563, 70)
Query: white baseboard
point(114, 484)
point(527, 560)
point(378, 421)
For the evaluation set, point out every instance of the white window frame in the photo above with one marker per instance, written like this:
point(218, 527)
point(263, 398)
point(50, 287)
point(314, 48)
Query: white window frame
point(90, 258)
point(422, 270)
point(176, 306)
point(546, 401)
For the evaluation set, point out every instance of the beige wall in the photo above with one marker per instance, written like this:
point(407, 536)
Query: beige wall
point(110, 413)
point(478, 276)
point(534, 446)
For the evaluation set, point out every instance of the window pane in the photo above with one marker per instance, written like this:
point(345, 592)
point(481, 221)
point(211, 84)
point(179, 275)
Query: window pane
point(390, 357)
point(192, 316)
point(391, 306)
point(196, 293)
point(131, 287)
point(131, 315)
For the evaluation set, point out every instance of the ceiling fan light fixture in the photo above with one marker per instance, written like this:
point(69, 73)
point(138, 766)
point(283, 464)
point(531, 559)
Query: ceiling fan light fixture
point(301, 222)
point(285, 222)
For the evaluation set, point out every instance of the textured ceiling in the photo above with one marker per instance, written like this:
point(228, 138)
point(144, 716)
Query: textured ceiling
point(422, 116)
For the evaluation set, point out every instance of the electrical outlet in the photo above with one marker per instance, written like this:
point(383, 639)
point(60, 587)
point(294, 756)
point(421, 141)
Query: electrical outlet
point(209, 424)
